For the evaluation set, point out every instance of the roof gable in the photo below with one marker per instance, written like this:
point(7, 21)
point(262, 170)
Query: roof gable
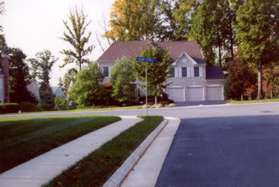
point(188, 59)
point(134, 48)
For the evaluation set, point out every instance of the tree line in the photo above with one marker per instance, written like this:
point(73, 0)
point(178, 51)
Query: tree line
point(240, 36)
point(246, 31)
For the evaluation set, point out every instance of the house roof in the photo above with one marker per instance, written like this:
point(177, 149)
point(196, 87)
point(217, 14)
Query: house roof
point(134, 48)
point(214, 72)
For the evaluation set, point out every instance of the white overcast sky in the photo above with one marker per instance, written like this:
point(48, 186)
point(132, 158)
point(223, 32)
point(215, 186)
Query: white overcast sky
point(35, 25)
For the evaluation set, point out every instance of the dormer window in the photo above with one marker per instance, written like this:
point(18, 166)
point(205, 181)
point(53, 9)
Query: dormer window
point(196, 71)
point(172, 73)
point(184, 71)
point(105, 71)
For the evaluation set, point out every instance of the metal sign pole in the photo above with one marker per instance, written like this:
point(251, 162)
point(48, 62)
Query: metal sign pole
point(146, 90)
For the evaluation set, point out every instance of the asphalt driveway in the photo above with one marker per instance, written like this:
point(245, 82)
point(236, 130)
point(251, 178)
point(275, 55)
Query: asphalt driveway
point(224, 152)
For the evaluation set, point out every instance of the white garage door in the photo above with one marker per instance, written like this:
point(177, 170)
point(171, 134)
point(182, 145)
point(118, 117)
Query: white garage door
point(1, 90)
point(195, 94)
point(176, 94)
point(214, 93)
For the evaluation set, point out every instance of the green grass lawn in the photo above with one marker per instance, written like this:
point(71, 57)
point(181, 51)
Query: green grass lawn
point(24, 139)
point(254, 101)
point(97, 167)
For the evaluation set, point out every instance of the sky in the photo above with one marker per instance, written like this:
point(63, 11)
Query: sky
point(36, 25)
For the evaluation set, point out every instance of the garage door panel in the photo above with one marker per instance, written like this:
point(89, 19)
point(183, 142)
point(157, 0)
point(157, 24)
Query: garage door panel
point(195, 94)
point(176, 94)
point(214, 93)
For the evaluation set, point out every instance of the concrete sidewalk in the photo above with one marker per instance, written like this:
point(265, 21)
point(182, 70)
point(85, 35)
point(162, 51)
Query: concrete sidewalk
point(147, 170)
point(45, 167)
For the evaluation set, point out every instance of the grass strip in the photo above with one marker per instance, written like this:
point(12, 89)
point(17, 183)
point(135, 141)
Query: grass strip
point(97, 167)
point(254, 101)
point(22, 140)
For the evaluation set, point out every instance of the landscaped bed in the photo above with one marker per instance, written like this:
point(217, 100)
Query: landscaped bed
point(24, 139)
point(97, 167)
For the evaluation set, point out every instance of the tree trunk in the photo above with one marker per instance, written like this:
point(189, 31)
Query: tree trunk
point(260, 82)
point(156, 99)
point(220, 57)
point(219, 51)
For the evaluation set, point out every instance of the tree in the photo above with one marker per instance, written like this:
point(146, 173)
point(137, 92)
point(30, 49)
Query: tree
point(203, 30)
point(76, 35)
point(41, 68)
point(87, 89)
point(271, 76)
point(19, 77)
point(123, 82)
point(134, 20)
point(68, 80)
point(240, 81)
point(158, 72)
point(257, 33)
point(176, 18)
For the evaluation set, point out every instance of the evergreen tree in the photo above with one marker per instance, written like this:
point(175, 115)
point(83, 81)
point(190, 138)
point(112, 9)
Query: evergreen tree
point(19, 77)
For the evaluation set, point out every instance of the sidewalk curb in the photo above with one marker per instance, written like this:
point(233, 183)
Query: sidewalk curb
point(119, 175)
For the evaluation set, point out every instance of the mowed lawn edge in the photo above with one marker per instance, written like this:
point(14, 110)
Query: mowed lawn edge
point(98, 166)
point(19, 144)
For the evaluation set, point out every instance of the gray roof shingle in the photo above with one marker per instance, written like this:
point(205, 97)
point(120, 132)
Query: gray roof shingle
point(134, 48)
point(214, 72)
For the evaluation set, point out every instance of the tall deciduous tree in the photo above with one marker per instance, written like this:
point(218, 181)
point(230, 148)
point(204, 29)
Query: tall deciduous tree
point(123, 82)
point(258, 34)
point(134, 20)
point(41, 68)
point(19, 77)
point(77, 36)
point(176, 18)
point(213, 28)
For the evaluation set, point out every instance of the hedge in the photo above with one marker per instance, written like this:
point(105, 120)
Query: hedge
point(9, 108)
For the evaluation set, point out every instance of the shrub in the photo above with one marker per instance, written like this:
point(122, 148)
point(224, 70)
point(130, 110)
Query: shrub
point(29, 107)
point(9, 108)
point(123, 82)
point(61, 103)
point(87, 89)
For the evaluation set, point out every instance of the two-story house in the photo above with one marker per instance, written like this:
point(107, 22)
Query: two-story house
point(4, 76)
point(191, 80)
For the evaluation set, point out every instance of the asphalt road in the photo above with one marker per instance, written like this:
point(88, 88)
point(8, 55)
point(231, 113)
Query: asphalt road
point(225, 151)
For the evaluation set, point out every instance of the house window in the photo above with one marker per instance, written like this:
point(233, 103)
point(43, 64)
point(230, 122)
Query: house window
point(105, 71)
point(172, 73)
point(196, 71)
point(184, 71)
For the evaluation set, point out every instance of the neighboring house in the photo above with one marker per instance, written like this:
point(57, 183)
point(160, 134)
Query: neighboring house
point(191, 80)
point(4, 79)
point(33, 88)
point(58, 92)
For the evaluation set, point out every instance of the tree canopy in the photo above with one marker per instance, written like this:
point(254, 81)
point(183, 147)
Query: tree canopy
point(78, 37)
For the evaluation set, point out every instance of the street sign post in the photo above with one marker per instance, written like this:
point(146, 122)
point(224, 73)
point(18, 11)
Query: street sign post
point(146, 60)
